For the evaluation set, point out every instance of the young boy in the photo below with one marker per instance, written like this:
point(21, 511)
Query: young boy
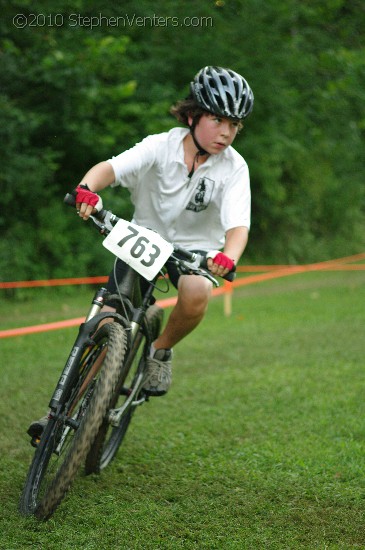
point(193, 188)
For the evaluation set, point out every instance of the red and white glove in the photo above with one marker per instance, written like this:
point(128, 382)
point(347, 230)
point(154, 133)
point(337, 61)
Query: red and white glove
point(84, 195)
point(221, 259)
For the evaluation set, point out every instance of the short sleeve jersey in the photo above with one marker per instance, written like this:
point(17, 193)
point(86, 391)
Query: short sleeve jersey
point(194, 212)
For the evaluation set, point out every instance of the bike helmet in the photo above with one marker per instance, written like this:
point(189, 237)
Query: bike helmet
point(222, 92)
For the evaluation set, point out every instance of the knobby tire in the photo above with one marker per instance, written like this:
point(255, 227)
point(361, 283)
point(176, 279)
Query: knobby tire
point(44, 489)
point(109, 438)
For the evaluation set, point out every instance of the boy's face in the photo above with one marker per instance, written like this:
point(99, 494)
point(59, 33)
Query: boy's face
point(215, 133)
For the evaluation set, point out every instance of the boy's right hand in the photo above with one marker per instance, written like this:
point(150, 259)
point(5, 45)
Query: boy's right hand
point(87, 202)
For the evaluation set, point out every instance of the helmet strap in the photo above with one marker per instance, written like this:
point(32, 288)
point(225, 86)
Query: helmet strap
point(190, 175)
point(201, 151)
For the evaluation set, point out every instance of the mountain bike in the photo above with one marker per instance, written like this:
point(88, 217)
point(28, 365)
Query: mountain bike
point(100, 386)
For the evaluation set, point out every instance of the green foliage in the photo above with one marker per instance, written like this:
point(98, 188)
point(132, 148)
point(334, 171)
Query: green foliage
point(83, 82)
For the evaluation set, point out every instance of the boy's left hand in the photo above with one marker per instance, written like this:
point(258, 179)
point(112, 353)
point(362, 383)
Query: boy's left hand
point(218, 263)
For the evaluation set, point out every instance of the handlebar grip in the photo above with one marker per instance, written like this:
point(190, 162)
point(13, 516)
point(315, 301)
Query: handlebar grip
point(70, 200)
point(231, 275)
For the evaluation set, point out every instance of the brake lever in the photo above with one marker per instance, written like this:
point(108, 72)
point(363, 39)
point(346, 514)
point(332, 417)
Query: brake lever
point(208, 276)
point(196, 269)
point(106, 225)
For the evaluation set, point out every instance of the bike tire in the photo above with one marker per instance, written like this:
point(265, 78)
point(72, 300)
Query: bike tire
point(62, 448)
point(109, 438)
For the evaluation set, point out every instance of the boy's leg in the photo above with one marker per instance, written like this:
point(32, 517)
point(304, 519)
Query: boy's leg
point(193, 297)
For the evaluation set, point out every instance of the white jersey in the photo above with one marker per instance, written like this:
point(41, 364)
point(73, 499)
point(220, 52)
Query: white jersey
point(195, 212)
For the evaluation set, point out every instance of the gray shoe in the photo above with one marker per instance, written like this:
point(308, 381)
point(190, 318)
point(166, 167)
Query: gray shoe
point(158, 373)
point(36, 428)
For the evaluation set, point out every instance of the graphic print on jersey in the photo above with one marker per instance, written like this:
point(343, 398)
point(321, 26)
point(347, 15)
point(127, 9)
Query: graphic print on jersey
point(202, 195)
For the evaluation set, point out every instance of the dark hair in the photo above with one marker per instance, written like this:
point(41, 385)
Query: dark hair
point(187, 108)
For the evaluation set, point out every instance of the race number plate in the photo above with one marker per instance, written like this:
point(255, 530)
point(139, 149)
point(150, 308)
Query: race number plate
point(143, 249)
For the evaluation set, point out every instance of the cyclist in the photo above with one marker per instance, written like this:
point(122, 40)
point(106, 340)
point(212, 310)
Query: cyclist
point(193, 188)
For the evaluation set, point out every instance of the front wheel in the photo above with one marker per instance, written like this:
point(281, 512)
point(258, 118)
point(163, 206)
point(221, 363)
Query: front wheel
point(68, 436)
point(127, 397)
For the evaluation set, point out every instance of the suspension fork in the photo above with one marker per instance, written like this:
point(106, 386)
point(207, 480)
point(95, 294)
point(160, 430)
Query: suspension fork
point(70, 371)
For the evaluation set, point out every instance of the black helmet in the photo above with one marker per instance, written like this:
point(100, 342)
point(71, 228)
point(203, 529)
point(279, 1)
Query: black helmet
point(222, 92)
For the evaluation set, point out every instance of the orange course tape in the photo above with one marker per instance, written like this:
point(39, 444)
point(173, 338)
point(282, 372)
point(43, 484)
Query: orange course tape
point(273, 273)
point(54, 282)
point(168, 302)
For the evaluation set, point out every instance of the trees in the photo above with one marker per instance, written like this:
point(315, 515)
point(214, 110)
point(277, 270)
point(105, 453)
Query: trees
point(88, 81)
point(63, 109)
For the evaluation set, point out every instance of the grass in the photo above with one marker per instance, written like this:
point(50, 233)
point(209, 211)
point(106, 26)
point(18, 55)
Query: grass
point(260, 443)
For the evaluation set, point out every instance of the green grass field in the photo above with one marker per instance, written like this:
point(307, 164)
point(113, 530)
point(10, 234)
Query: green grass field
point(260, 443)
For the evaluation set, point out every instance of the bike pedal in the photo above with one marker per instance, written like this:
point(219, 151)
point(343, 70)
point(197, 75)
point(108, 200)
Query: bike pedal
point(146, 396)
point(125, 391)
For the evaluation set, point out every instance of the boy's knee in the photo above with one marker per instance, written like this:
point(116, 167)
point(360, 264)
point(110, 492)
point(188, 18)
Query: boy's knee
point(194, 294)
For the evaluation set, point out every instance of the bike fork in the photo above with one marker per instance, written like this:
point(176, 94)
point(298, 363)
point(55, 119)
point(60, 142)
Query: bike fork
point(83, 340)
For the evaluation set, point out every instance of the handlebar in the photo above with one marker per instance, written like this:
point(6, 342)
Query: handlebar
point(105, 220)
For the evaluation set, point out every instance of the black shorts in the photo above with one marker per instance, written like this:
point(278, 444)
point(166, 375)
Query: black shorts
point(118, 271)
